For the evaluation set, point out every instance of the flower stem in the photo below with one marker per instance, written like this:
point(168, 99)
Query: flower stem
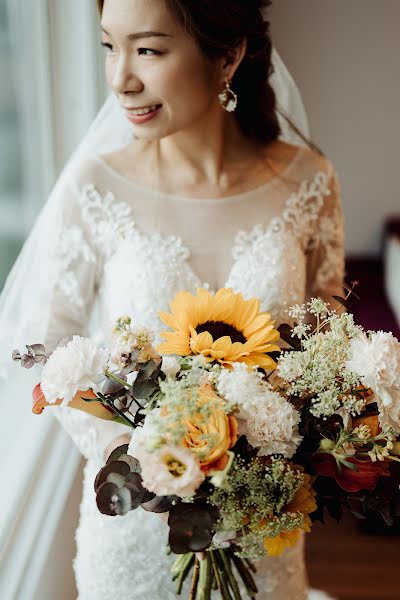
point(221, 577)
point(205, 578)
point(246, 576)
point(224, 556)
point(195, 579)
point(121, 414)
point(185, 567)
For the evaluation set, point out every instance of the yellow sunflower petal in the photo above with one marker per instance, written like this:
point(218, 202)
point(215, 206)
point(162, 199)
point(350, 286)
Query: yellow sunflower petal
point(183, 307)
point(203, 303)
point(259, 360)
point(248, 314)
point(175, 343)
point(259, 339)
point(221, 309)
point(286, 539)
point(221, 347)
point(237, 350)
point(202, 342)
point(261, 320)
point(169, 320)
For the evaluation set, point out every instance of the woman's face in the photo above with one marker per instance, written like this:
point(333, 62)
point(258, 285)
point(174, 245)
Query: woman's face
point(152, 64)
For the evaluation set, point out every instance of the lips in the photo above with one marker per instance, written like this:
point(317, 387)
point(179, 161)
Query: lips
point(138, 116)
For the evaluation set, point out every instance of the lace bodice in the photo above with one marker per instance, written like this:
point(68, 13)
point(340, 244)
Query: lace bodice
point(125, 249)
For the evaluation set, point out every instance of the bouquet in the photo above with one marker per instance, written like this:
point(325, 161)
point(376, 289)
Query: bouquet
point(244, 434)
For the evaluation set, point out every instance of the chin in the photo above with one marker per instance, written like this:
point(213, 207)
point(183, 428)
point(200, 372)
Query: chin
point(154, 135)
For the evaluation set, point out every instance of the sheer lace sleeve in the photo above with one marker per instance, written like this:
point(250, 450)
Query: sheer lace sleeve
point(325, 252)
point(78, 266)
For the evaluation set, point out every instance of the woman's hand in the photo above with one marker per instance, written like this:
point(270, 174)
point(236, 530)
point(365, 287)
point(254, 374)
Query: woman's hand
point(120, 440)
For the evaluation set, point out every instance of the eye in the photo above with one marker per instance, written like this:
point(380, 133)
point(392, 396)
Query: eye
point(145, 50)
point(109, 47)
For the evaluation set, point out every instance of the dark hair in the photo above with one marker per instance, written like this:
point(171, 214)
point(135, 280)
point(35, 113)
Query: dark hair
point(219, 26)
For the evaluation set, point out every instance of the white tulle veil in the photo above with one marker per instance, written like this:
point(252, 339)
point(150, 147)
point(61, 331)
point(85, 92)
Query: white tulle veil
point(25, 302)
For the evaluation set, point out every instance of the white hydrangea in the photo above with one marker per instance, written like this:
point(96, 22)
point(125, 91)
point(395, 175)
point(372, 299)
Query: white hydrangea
point(376, 359)
point(266, 418)
point(166, 470)
point(79, 365)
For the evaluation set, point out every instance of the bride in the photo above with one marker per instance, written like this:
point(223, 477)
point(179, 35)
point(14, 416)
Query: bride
point(189, 185)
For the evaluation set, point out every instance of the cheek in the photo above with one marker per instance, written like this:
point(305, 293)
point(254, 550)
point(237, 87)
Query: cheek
point(189, 88)
point(109, 72)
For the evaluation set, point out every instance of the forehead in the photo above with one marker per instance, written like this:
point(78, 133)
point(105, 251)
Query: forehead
point(130, 16)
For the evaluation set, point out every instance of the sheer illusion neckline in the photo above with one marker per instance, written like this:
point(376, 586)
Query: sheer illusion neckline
point(189, 199)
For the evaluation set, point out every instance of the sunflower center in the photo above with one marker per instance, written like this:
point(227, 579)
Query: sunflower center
point(219, 329)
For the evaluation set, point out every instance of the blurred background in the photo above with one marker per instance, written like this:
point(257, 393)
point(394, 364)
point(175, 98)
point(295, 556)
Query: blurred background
point(344, 57)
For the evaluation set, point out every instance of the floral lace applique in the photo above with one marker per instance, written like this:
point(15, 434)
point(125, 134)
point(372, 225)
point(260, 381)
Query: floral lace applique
point(330, 237)
point(71, 248)
point(269, 262)
point(109, 221)
point(299, 216)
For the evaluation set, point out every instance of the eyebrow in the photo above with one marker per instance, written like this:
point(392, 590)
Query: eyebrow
point(142, 34)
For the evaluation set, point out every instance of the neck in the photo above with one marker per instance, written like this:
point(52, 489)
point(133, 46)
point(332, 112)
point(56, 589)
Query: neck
point(206, 153)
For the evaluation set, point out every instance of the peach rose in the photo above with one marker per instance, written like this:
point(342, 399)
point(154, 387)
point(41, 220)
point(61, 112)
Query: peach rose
point(211, 436)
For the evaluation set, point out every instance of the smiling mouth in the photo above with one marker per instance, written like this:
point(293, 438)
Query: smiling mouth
point(142, 111)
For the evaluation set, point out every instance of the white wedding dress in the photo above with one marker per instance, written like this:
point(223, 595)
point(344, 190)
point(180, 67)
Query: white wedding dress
point(125, 249)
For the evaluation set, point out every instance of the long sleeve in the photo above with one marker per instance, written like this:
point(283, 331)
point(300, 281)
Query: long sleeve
point(325, 254)
point(71, 310)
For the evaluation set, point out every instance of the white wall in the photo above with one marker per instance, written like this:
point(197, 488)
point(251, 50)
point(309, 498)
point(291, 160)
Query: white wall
point(344, 55)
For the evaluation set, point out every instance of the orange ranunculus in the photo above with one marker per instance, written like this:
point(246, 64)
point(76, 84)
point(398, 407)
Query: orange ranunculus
point(372, 421)
point(97, 409)
point(211, 436)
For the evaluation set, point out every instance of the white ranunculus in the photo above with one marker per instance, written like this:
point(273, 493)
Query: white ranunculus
point(376, 360)
point(168, 470)
point(266, 418)
point(79, 365)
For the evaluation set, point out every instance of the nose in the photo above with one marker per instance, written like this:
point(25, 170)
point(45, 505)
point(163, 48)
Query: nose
point(124, 79)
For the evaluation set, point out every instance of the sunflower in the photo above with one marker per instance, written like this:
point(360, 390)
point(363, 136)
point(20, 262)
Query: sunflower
point(304, 503)
point(223, 327)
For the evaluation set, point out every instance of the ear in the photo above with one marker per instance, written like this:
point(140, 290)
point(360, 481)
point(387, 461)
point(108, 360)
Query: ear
point(231, 61)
